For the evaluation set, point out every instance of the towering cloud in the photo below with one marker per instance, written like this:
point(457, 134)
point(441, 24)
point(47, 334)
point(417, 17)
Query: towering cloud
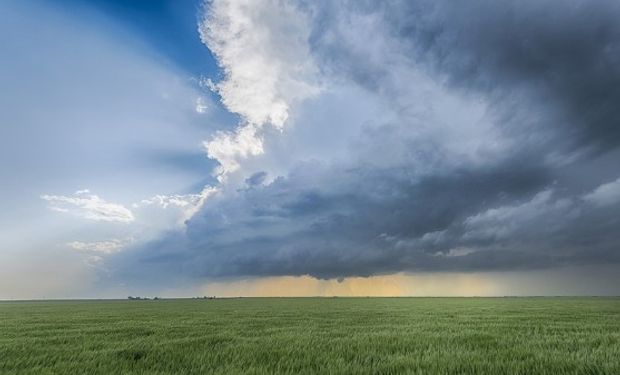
point(262, 50)
point(413, 136)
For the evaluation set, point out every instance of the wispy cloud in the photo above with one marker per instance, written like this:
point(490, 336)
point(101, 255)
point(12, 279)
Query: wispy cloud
point(89, 206)
point(201, 106)
point(99, 247)
point(605, 195)
point(189, 204)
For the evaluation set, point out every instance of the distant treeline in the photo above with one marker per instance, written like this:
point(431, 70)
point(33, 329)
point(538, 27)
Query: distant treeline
point(138, 298)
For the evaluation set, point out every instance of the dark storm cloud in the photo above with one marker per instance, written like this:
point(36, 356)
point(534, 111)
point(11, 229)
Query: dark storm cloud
point(377, 222)
point(356, 222)
point(564, 56)
point(551, 73)
point(256, 179)
point(559, 59)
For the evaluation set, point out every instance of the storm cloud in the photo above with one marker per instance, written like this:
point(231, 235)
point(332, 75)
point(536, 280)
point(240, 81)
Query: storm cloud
point(467, 137)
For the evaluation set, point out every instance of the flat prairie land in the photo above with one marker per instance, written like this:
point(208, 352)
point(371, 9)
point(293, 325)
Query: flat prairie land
point(312, 336)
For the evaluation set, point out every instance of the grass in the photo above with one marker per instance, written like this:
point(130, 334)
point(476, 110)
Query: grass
point(313, 335)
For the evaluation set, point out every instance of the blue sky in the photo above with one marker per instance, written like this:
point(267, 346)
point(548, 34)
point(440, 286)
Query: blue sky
point(167, 27)
point(92, 100)
point(265, 147)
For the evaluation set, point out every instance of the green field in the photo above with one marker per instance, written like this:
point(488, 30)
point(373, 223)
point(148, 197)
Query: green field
point(313, 335)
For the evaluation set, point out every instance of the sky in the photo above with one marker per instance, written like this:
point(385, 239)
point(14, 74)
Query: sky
point(309, 148)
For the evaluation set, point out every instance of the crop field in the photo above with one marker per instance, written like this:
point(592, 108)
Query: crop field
point(313, 335)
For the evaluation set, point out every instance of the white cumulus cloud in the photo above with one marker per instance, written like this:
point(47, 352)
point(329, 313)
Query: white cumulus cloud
point(229, 148)
point(261, 46)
